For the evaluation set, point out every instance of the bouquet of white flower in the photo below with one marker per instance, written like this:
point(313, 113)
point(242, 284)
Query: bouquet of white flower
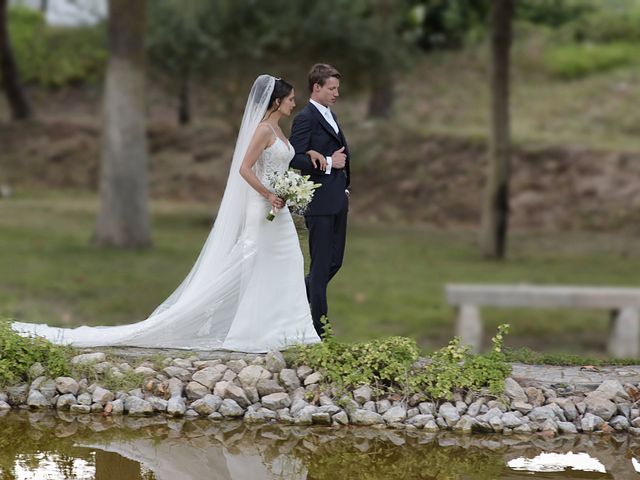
point(297, 190)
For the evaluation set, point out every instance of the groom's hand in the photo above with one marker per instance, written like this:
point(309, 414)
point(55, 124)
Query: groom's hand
point(338, 158)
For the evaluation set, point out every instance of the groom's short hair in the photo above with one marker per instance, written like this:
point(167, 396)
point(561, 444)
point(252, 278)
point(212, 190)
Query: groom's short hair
point(319, 74)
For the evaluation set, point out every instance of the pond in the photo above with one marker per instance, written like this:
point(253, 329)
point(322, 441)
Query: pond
point(55, 445)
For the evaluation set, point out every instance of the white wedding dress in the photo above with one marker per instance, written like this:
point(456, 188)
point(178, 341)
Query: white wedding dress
point(246, 290)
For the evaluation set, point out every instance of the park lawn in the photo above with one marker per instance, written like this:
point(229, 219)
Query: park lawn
point(391, 282)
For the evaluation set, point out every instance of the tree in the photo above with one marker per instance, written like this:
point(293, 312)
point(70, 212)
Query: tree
point(496, 202)
point(123, 218)
point(18, 103)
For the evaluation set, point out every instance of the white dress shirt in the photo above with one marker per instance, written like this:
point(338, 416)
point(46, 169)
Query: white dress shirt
point(326, 113)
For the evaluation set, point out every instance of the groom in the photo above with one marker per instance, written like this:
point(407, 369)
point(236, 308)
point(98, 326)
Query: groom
point(316, 128)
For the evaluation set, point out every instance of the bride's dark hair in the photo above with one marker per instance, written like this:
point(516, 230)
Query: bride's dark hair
point(281, 89)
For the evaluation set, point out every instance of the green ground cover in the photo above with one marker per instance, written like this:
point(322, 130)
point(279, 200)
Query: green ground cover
point(391, 283)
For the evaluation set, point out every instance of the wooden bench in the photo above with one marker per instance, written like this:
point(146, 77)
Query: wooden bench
point(624, 303)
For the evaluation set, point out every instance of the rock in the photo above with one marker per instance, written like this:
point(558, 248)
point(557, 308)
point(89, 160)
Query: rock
point(514, 391)
point(365, 417)
point(598, 405)
point(181, 374)
point(465, 424)
point(395, 414)
point(289, 378)
point(195, 390)
point(330, 409)
point(136, 392)
point(104, 367)
point(176, 406)
point(315, 377)
point(610, 389)
point(420, 420)
point(498, 404)
point(549, 427)
point(117, 407)
point(496, 424)
point(146, 371)
point(4, 406)
point(567, 406)
point(341, 418)
point(431, 426)
point(305, 416)
point(236, 366)
point(80, 409)
point(522, 407)
point(66, 385)
point(252, 394)
point(487, 416)
point(88, 358)
point(370, 405)
point(567, 427)
point(534, 396)
point(209, 376)
point(449, 414)
point(383, 406)
point(230, 376)
point(412, 412)
point(102, 396)
point(191, 413)
point(320, 418)
point(427, 408)
point(231, 408)
point(136, 406)
point(208, 363)
point(362, 394)
point(252, 374)
point(276, 401)
point(158, 404)
point(236, 394)
point(215, 416)
point(182, 363)
point(48, 389)
point(84, 399)
point(590, 422)
point(510, 420)
point(275, 362)
point(619, 423)
point(38, 400)
point(65, 401)
point(268, 386)
point(303, 372)
point(207, 405)
point(540, 414)
point(254, 416)
point(474, 408)
point(175, 387)
point(36, 370)
point(96, 408)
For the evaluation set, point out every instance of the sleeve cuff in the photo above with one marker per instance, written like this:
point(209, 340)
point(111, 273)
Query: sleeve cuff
point(329, 163)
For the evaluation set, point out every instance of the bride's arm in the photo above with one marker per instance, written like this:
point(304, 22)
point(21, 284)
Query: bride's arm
point(258, 143)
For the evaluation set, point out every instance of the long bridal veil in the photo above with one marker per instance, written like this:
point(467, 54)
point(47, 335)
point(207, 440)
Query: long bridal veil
point(199, 313)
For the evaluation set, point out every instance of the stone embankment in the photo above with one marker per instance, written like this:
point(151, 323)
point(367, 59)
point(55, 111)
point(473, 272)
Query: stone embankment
point(260, 389)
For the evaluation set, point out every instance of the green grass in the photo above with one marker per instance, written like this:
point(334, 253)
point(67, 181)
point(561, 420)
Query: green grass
point(391, 283)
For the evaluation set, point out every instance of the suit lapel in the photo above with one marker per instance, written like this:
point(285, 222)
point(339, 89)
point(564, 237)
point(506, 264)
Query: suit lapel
point(324, 123)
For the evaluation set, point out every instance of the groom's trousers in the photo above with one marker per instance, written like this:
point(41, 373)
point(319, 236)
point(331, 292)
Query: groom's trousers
point(327, 237)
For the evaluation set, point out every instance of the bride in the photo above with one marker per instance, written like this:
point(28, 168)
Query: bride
point(246, 290)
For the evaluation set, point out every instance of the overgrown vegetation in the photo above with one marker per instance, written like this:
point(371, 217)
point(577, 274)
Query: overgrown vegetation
point(18, 354)
point(531, 357)
point(393, 365)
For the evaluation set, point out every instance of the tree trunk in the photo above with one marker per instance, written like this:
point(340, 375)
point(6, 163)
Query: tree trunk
point(382, 96)
point(123, 219)
point(44, 6)
point(20, 108)
point(496, 202)
point(184, 101)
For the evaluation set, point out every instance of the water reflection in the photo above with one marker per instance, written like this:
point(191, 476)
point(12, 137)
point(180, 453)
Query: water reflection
point(36, 445)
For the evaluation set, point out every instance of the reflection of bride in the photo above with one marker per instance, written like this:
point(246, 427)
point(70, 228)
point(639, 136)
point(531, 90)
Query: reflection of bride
point(246, 290)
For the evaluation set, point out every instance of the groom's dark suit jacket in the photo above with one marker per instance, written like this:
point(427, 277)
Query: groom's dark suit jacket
point(310, 131)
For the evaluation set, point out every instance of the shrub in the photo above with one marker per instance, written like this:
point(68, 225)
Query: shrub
point(55, 56)
point(579, 60)
point(18, 353)
point(392, 365)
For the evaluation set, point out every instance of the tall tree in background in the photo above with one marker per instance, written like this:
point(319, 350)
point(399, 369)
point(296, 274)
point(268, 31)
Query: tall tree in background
point(123, 219)
point(496, 202)
point(20, 108)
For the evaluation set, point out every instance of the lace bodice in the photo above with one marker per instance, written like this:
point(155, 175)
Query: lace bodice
point(273, 159)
